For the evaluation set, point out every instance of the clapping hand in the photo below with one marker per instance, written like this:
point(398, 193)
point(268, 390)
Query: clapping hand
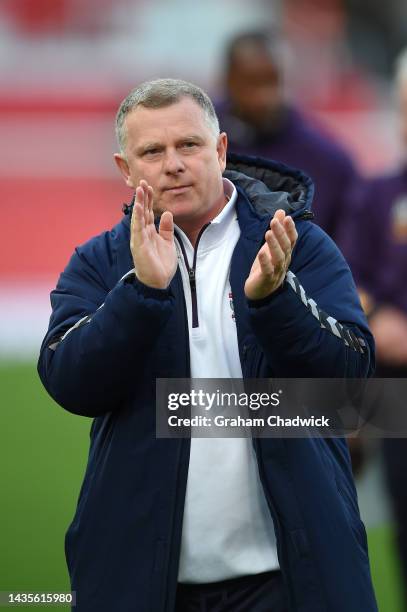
point(271, 264)
point(154, 253)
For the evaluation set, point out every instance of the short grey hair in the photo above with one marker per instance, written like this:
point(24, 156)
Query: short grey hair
point(158, 94)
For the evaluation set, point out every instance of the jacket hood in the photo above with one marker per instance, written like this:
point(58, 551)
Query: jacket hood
point(270, 185)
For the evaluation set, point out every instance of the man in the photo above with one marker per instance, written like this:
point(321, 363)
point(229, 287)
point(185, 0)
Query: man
point(378, 258)
point(239, 524)
point(260, 121)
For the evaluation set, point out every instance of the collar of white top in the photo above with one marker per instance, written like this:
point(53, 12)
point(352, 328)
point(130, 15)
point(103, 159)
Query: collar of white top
point(231, 195)
point(218, 226)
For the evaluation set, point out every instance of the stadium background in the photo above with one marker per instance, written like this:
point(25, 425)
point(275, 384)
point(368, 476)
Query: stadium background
point(64, 67)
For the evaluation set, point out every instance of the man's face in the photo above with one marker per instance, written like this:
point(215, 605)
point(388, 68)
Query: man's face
point(176, 152)
point(254, 85)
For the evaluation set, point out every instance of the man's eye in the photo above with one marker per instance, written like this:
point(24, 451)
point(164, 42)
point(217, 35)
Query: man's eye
point(189, 145)
point(151, 152)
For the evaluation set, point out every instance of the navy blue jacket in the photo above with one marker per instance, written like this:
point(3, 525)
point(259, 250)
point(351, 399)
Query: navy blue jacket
point(123, 544)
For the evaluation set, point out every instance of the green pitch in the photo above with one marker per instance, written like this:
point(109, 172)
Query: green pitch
point(42, 461)
point(43, 456)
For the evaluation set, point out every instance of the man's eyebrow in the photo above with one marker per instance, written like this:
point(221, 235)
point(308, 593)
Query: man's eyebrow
point(191, 137)
point(149, 145)
point(159, 145)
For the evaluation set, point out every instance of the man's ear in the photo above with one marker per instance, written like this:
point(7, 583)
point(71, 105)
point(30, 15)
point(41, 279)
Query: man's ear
point(121, 163)
point(221, 148)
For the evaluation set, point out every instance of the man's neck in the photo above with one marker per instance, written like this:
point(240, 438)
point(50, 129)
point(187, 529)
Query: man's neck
point(192, 230)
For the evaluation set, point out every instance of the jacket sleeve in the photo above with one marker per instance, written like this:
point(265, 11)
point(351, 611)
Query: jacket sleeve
point(314, 326)
point(98, 341)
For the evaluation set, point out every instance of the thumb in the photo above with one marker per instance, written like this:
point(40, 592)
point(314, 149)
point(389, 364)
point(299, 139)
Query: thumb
point(166, 228)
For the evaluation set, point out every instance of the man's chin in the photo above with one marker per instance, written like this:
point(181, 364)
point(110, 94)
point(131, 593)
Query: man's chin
point(182, 201)
point(180, 207)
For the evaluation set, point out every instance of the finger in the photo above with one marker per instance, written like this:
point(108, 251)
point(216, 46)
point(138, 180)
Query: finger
point(282, 237)
point(166, 228)
point(148, 201)
point(279, 215)
point(276, 252)
point(266, 264)
point(137, 224)
point(150, 204)
point(292, 234)
point(139, 199)
point(144, 186)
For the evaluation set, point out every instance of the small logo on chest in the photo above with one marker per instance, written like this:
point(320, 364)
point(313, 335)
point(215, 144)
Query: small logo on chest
point(232, 307)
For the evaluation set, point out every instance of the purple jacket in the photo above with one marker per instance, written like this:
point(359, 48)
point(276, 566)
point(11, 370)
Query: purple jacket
point(373, 237)
point(302, 146)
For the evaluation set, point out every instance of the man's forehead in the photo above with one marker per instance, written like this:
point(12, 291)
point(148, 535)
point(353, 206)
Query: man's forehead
point(184, 114)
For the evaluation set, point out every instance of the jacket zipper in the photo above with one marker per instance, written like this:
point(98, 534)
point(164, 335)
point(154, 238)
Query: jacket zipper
point(192, 274)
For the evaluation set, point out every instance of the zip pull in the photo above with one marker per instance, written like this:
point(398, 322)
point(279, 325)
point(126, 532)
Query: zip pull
point(192, 280)
point(194, 301)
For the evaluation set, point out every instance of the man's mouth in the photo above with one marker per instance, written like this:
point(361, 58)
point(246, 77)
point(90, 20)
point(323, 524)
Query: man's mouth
point(177, 189)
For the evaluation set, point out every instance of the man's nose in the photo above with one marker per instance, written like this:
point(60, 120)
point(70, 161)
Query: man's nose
point(173, 163)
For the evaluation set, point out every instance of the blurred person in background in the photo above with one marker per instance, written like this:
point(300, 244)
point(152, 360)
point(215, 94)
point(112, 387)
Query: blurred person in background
point(259, 120)
point(373, 237)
